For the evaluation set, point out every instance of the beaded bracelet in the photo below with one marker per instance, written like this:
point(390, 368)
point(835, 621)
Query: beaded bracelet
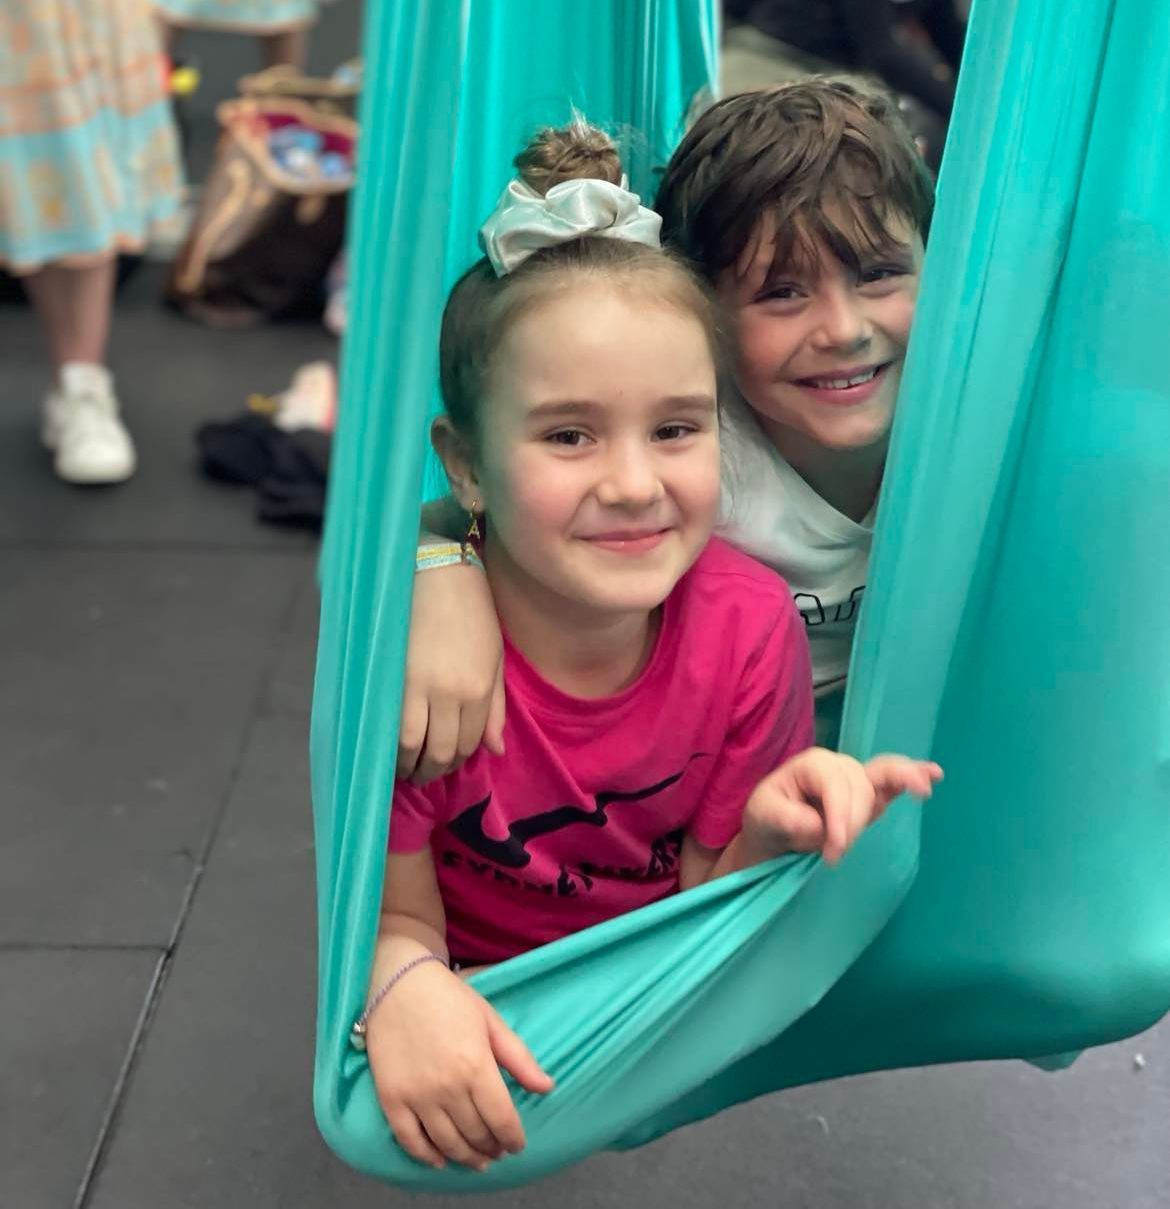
point(357, 1034)
point(431, 555)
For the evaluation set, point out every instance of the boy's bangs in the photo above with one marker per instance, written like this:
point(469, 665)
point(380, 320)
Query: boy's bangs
point(856, 242)
point(788, 153)
point(852, 226)
point(847, 210)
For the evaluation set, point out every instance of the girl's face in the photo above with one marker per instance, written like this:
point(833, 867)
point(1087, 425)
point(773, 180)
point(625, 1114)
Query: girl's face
point(599, 458)
point(819, 351)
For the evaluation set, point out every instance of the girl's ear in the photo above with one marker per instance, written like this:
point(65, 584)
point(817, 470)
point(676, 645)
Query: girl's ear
point(455, 455)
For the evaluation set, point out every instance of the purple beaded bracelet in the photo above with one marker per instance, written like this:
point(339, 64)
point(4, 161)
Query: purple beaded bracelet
point(357, 1034)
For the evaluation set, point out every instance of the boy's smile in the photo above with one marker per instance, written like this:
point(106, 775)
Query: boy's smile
point(848, 386)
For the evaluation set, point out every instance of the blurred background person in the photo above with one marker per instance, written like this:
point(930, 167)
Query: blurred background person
point(89, 168)
point(913, 46)
point(281, 25)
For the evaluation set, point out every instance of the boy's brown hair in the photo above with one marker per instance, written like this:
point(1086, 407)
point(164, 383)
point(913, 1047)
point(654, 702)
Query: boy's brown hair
point(791, 151)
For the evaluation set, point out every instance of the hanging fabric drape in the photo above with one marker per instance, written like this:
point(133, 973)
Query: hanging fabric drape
point(1029, 492)
point(1020, 532)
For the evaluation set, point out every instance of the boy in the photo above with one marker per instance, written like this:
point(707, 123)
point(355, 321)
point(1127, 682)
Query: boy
point(806, 207)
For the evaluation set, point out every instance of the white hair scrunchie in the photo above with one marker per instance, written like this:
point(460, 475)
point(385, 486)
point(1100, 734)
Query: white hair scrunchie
point(524, 221)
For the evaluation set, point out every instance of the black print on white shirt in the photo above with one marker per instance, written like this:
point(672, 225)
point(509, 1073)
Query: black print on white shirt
point(814, 613)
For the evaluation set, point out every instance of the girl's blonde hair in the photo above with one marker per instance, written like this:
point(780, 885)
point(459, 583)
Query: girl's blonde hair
point(482, 306)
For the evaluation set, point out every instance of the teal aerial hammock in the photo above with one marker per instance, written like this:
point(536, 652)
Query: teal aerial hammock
point(1016, 622)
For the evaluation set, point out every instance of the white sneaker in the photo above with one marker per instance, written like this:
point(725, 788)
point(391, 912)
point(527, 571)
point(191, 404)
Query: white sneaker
point(81, 426)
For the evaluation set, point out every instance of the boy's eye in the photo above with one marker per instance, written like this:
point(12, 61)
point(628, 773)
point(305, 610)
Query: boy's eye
point(883, 272)
point(779, 293)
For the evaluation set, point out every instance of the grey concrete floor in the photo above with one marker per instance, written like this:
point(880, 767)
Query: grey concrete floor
point(156, 878)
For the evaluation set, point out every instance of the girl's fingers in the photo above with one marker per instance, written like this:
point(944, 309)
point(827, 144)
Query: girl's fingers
point(408, 1133)
point(895, 775)
point(836, 806)
point(494, 1105)
point(863, 801)
point(803, 826)
point(826, 784)
point(445, 1135)
point(922, 785)
point(843, 795)
point(465, 1115)
point(514, 1056)
point(782, 821)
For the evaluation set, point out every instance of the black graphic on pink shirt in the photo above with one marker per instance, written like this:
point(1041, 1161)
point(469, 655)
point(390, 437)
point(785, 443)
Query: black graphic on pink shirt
point(512, 853)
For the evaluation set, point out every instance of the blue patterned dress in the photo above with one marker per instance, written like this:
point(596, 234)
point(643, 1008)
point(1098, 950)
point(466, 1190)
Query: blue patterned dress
point(89, 164)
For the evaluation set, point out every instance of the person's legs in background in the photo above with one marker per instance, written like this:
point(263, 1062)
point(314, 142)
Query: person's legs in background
point(74, 306)
point(290, 46)
point(81, 422)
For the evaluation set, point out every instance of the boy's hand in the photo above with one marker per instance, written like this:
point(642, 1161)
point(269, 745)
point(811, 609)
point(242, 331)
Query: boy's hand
point(435, 1048)
point(821, 801)
point(453, 689)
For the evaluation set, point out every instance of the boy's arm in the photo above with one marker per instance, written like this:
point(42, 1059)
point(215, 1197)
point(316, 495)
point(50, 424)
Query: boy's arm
point(453, 686)
point(442, 518)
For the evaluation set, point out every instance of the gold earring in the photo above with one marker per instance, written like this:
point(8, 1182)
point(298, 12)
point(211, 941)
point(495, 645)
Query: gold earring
point(473, 528)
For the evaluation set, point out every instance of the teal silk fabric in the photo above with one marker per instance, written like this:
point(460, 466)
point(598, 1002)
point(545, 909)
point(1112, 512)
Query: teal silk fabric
point(1016, 626)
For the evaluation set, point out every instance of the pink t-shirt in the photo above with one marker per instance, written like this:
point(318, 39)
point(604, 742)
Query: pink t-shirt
point(583, 818)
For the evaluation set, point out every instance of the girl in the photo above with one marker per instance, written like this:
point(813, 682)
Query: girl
point(806, 208)
point(89, 167)
point(660, 706)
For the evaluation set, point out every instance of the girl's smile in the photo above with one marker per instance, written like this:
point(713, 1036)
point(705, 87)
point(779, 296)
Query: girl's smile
point(629, 542)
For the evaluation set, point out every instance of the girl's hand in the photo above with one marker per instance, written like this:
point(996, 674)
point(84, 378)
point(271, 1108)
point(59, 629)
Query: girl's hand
point(435, 1048)
point(453, 689)
point(821, 801)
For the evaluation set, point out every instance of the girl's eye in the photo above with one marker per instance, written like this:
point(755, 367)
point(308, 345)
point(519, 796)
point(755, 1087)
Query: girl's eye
point(572, 438)
point(675, 432)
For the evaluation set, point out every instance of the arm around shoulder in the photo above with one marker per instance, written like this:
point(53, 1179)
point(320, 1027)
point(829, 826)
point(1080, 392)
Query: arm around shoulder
point(453, 686)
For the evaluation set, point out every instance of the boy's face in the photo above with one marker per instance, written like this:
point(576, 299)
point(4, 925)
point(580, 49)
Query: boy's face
point(819, 349)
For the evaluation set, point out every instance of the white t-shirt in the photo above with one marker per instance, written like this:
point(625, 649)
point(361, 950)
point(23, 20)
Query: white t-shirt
point(771, 513)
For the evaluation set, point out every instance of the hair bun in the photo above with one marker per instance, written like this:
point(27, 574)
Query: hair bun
point(577, 151)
